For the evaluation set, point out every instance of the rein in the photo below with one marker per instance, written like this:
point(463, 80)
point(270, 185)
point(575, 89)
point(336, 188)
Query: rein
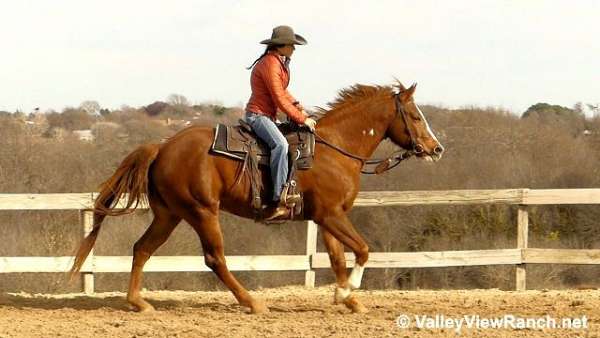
point(382, 165)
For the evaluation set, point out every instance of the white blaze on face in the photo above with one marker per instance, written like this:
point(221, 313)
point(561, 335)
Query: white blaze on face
point(431, 134)
point(371, 132)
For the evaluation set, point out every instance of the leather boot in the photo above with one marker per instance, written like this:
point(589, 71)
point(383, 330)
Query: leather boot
point(277, 211)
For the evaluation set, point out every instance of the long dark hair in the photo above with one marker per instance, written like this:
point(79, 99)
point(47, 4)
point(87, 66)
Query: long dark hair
point(268, 49)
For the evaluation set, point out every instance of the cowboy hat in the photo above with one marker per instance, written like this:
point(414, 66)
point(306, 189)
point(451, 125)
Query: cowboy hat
point(284, 35)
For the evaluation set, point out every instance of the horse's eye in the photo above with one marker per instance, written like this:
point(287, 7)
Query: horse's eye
point(415, 117)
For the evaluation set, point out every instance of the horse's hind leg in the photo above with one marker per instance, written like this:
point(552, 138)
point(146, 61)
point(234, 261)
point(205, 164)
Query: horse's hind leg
point(157, 233)
point(206, 223)
point(335, 249)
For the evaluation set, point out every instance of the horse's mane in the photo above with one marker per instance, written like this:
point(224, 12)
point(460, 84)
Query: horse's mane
point(354, 94)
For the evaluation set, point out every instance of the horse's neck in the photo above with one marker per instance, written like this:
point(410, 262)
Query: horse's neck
point(356, 131)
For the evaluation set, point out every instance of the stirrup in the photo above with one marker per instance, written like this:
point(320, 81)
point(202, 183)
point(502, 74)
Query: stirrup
point(291, 200)
point(287, 199)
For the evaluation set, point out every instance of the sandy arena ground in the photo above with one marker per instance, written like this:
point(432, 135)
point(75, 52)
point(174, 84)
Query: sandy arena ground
point(294, 312)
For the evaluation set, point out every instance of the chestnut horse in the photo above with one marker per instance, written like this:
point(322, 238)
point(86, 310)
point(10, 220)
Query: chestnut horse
point(182, 179)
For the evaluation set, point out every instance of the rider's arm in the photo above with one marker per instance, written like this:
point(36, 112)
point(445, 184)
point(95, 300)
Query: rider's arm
point(282, 98)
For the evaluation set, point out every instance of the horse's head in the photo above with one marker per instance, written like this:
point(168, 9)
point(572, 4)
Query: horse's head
point(409, 128)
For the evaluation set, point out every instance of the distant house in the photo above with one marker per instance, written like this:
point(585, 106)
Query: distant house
point(84, 135)
point(108, 129)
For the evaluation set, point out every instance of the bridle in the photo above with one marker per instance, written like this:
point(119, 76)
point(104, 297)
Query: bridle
point(383, 165)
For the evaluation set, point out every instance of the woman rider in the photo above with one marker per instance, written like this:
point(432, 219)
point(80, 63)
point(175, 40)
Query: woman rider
point(269, 81)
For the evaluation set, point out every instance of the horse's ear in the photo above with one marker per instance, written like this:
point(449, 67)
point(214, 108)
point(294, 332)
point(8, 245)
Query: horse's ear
point(408, 93)
point(412, 88)
point(399, 85)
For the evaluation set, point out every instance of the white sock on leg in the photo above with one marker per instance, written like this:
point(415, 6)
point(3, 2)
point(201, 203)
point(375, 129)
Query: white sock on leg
point(356, 276)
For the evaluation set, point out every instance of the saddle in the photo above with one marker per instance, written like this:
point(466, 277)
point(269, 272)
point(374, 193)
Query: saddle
point(241, 143)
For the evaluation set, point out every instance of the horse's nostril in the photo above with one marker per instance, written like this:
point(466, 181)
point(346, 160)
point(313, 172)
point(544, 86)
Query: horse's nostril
point(418, 149)
point(438, 150)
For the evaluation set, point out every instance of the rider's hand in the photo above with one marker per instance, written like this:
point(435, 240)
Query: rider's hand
point(310, 123)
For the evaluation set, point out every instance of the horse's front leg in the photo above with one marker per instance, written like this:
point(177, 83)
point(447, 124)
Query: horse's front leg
point(342, 294)
point(338, 225)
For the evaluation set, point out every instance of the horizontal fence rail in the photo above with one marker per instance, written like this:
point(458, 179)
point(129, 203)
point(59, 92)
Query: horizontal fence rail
point(82, 201)
point(520, 256)
point(154, 264)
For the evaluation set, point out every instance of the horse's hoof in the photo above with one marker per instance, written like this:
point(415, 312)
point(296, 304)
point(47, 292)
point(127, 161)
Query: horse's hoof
point(258, 307)
point(355, 306)
point(146, 309)
point(141, 306)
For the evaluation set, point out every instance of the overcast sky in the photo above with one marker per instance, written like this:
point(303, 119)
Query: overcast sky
point(508, 54)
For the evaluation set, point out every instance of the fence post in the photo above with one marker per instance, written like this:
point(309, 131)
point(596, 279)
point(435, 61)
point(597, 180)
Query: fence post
point(311, 249)
point(87, 221)
point(522, 233)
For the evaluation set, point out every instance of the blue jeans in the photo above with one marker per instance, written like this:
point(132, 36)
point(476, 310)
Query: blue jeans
point(267, 130)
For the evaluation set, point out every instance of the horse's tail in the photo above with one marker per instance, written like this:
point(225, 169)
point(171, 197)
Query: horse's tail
point(129, 180)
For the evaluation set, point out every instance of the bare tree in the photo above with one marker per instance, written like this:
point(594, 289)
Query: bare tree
point(90, 107)
point(178, 100)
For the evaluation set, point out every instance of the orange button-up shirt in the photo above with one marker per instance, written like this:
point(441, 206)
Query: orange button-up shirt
point(269, 81)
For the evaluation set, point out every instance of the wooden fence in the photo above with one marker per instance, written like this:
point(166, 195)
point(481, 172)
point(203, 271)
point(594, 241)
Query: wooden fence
point(519, 256)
